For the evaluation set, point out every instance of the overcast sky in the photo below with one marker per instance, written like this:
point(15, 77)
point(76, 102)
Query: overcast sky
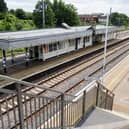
point(83, 6)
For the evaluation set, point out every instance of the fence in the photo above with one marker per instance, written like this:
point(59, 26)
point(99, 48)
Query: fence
point(26, 110)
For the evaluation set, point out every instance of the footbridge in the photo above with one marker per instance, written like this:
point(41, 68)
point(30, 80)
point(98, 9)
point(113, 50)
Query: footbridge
point(90, 108)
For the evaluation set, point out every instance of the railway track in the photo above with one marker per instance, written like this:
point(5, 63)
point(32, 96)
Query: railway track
point(68, 68)
point(83, 81)
point(10, 102)
point(56, 74)
point(54, 81)
point(65, 74)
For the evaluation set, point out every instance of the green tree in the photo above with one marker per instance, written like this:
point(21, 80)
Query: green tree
point(20, 13)
point(2, 16)
point(49, 15)
point(71, 15)
point(3, 6)
point(65, 13)
point(29, 16)
point(119, 19)
point(12, 11)
point(56, 13)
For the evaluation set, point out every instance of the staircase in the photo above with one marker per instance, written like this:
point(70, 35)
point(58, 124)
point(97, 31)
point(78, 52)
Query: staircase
point(104, 119)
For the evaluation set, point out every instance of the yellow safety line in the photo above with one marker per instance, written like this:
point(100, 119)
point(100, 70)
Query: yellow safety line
point(118, 74)
point(117, 78)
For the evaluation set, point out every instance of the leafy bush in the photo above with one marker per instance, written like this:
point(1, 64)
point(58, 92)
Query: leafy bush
point(19, 25)
point(11, 23)
point(28, 24)
point(25, 25)
point(1, 25)
point(2, 16)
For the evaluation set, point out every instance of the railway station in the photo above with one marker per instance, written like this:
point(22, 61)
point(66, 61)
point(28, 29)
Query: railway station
point(59, 70)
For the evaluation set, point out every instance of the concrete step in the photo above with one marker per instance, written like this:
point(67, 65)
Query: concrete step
point(104, 119)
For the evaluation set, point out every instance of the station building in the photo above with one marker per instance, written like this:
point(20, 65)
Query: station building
point(46, 43)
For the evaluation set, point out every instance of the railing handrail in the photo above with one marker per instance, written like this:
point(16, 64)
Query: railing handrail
point(75, 97)
point(53, 109)
point(6, 91)
point(104, 87)
point(90, 86)
point(87, 89)
point(52, 90)
point(33, 85)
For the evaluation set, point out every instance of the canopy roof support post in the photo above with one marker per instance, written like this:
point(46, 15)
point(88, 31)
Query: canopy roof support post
point(12, 57)
point(4, 61)
point(26, 56)
point(30, 53)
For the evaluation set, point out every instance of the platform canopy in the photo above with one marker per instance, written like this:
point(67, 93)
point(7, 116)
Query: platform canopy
point(101, 29)
point(23, 39)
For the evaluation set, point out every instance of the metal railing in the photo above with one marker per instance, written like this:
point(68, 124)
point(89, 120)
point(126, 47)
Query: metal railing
point(27, 110)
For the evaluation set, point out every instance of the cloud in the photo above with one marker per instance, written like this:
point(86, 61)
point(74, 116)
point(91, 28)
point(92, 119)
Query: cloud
point(87, 6)
point(28, 5)
point(83, 6)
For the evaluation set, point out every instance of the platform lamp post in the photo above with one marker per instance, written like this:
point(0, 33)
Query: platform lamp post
point(43, 13)
point(105, 47)
point(110, 16)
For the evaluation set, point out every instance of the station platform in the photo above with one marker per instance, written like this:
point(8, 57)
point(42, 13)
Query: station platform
point(117, 80)
point(35, 67)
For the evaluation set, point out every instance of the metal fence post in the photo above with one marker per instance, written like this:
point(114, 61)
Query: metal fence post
point(26, 58)
point(106, 96)
point(112, 102)
point(20, 106)
point(62, 111)
point(83, 104)
point(97, 95)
